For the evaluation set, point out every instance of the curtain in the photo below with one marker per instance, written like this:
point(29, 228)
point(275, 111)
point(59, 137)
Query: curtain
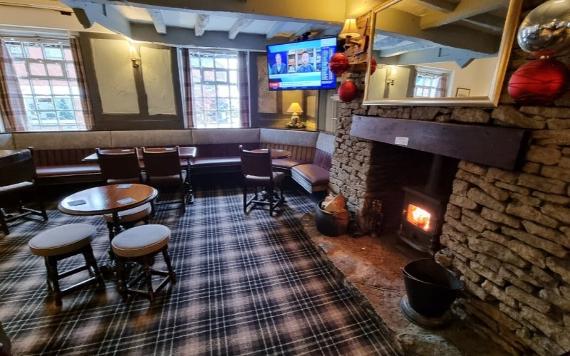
point(442, 87)
point(12, 109)
point(243, 80)
point(83, 90)
point(187, 87)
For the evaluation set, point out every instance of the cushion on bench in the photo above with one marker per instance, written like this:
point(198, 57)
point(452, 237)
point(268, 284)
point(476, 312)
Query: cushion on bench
point(286, 163)
point(67, 170)
point(216, 161)
point(311, 177)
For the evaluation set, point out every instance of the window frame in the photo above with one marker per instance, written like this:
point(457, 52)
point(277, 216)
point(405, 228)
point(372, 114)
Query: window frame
point(199, 100)
point(73, 95)
point(431, 72)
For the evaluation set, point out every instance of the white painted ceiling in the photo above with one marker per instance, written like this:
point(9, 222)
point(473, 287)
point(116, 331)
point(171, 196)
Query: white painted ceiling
point(224, 22)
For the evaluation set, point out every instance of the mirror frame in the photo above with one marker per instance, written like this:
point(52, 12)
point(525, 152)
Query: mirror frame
point(492, 100)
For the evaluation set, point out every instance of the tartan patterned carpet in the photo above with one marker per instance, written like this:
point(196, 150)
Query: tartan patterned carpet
point(247, 284)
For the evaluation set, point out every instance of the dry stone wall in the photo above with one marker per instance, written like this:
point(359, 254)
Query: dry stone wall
point(506, 233)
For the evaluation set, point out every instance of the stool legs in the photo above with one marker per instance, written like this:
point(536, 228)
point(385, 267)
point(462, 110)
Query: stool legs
point(91, 263)
point(147, 273)
point(53, 276)
point(171, 273)
point(53, 279)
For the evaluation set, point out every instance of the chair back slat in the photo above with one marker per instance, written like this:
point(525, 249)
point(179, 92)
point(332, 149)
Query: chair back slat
point(256, 163)
point(119, 165)
point(161, 162)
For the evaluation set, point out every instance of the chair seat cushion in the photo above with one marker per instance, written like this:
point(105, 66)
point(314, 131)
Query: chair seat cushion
point(141, 240)
point(62, 239)
point(259, 181)
point(312, 173)
point(286, 163)
point(16, 187)
point(67, 170)
point(216, 161)
point(132, 215)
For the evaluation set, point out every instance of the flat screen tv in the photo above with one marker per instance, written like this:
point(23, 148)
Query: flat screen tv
point(301, 65)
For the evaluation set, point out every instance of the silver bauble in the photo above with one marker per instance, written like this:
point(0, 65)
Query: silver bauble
point(545, 31)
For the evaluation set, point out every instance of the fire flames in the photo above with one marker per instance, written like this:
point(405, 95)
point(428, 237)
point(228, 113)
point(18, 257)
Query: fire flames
point(418, 216)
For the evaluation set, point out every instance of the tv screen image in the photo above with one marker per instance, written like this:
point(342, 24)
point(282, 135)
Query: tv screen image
point(301, 65)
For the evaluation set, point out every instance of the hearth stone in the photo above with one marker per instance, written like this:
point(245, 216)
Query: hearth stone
point(424, 322)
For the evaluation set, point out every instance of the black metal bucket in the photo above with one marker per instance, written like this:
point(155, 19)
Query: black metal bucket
point(431, 289)
point(331, 224)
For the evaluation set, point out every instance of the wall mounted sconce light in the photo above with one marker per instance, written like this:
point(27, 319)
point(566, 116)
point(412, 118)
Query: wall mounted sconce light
point(349, 33)
point(134, 52)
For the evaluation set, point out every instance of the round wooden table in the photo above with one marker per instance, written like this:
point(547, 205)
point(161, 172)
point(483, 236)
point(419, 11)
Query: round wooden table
point(275, 152)
point(108, 199)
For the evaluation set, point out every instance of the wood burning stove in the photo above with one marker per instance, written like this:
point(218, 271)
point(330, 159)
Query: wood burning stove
point(423, 209)
point(422, 218)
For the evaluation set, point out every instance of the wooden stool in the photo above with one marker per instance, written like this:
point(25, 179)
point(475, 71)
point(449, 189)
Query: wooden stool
point(62, 242)
point(140, 244)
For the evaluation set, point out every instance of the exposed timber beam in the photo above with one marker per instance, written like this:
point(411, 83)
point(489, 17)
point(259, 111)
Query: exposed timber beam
point(239, 25)
point(404, 24)
point(157, 20)
point(275, 29)
point(465, 9)
point(201, 23)
point(488, 22)
point(314, 10)
point(439, 5)
point(304, 28)
point(178, 36)
point(103, 14)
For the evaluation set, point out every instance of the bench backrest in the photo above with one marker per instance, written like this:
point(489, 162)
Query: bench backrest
point(324, 150)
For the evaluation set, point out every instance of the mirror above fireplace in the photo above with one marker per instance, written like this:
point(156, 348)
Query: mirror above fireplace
point(440, 52)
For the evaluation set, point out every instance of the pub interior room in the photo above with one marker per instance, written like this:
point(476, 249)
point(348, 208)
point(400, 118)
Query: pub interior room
point(251, 177)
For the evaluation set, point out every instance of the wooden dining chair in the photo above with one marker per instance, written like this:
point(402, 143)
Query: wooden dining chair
point(119, 166)
point(163, 171)
point(18, 189)
point(257, 171)
point(122, 167)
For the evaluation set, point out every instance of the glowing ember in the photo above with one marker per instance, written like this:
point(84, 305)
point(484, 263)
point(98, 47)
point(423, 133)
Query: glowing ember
point(418, 217)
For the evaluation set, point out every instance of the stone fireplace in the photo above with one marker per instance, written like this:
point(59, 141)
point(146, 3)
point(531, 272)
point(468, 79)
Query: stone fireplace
point(506, 232)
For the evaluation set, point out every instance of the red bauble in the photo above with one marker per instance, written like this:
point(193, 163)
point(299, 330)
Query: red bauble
point(538, 82)
point(373, 65)
point(339, 63)
point(347, 91)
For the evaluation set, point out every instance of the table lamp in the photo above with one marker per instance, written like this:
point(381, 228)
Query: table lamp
point(294, 109)
point(349, 32)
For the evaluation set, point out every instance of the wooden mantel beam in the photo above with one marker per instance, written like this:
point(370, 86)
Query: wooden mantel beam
point(493, 146)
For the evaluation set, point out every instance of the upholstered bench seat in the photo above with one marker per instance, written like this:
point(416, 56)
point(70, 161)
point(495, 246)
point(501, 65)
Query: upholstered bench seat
point(16, 187)
point(311, 177)
point(62, 240)
point(216, 161)
point(68, 170)
point(286, 163)
point(141, 240)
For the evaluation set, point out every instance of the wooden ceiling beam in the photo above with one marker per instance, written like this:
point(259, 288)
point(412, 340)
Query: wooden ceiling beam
point(239, 25)
point(439, 5)
point(157, 20)
point(201, 23)
point(465, 9)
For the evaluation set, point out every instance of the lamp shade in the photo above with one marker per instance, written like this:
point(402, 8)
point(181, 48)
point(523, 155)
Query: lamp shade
point(294, 108)
point(349, 29)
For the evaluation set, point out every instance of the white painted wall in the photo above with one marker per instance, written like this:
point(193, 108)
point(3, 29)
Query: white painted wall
point(157, 75)
point(115, 77)
point(477, 76)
